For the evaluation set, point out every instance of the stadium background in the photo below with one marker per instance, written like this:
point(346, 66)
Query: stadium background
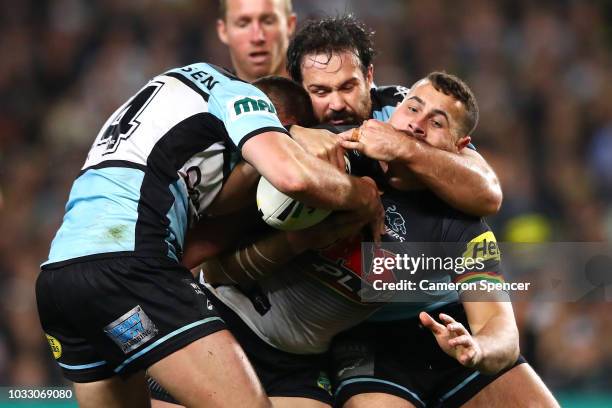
point(541, 71)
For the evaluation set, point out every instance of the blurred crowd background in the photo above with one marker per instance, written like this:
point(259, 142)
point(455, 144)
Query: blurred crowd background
point(541, 70)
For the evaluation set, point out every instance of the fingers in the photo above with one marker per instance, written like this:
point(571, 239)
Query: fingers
point(344, 159)
point(430, 323)
point(463, 340)
point(446, 318)
point(453, 326)
point(337, 158)
point(352, 145)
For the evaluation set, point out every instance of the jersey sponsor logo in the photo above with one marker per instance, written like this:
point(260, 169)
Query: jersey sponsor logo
point(483, 247)
point(56, 346)
point(131, 330)
point(245, 105)
point(340, 268)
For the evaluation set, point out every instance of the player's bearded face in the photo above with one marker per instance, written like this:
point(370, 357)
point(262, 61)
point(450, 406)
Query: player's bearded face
point(338, 88)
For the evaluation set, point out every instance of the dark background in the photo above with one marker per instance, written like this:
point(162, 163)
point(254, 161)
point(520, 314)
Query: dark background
point(541, 71)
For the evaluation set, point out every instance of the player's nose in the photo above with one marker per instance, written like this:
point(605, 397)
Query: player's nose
point(257, 34)
point(336, 102)
point(416, 128)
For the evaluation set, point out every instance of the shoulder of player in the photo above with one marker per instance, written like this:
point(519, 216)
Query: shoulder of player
point(451, 224)
point(204, 78)
point(459, 226)
point(388, 95)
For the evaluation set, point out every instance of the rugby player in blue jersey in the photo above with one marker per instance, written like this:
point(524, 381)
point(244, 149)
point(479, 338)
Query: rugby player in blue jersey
point(113, 298)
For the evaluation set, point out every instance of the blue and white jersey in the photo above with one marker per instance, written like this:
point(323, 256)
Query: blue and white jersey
point(130, 198)
point(385, 99)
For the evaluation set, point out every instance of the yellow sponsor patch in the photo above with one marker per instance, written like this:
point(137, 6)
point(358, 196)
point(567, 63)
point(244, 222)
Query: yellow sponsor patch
point(483, 247)
point(56, 347)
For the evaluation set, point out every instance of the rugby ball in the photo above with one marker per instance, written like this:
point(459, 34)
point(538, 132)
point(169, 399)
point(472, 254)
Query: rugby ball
point(283, 212)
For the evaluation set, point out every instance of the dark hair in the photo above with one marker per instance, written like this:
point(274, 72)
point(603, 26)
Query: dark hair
point(330, 35)
point(290, 99)
point(453, 86)
point(222, 9)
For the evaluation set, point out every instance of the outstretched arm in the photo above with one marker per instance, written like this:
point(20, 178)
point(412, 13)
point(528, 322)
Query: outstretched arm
point(493, 344)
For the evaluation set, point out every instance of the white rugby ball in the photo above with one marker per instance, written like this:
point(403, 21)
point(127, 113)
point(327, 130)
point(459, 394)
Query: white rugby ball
point(283, 212)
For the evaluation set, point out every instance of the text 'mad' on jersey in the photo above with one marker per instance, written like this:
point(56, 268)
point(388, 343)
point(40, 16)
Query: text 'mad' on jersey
point(129, 197)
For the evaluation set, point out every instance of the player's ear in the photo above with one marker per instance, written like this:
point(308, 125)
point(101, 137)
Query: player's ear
point(463, 142)
point(291, 23)
point(222, 31)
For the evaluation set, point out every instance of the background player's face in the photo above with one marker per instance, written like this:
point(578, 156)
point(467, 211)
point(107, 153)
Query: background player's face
point(338, 89)
point(431, 116)
point(257, 33)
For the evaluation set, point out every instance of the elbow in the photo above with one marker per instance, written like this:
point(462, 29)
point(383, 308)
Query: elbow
point(514, 350)
point(492, 202)
point(490, 198)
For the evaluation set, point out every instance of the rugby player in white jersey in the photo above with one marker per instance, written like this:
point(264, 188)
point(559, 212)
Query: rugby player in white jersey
point(116, 257)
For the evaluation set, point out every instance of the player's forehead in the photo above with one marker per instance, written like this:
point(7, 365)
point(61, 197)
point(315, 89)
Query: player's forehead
point(424, 94)
point(252, 8)
point(331, 68)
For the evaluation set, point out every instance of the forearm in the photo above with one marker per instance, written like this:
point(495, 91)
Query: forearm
point(302, 176)
point(327, 187)
point(499, 342)
point(253, 261)
point(463, 180)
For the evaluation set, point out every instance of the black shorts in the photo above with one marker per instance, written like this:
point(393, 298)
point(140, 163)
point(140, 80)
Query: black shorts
point(282, 374)
point(116, 316)
point(402, 358)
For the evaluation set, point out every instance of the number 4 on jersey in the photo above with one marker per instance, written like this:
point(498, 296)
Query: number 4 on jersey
point(126, 121)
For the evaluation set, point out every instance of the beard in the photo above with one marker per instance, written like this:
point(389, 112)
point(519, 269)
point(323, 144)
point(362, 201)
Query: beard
point(349, 116)
point(345, 116)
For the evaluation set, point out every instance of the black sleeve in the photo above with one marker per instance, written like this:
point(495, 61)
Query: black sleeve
point(470, 241)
